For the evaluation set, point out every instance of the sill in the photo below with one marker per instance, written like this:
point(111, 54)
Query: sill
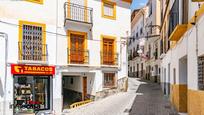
point(79, 65)
point(112, 66)
point(178, 32)
point(109, 87)
point(34, 1)
point(32, 62)
point(109, 17)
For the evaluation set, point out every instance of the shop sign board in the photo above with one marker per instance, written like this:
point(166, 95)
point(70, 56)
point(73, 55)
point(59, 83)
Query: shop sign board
point(32, 69)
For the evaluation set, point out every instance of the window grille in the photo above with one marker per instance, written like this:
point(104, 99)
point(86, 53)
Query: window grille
point(32, 47)
point(201, 73)
point(109, 79)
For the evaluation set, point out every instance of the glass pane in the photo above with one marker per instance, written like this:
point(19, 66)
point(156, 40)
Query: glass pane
point(108, 9)
point(41, 93)
point(31, 93)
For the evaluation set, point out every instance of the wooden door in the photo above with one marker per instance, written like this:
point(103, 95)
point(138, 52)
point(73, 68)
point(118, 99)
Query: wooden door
point(77, 49)
point(108, 51)
point(84, 94)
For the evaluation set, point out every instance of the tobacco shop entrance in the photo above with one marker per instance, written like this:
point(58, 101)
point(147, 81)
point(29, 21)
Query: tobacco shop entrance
point(32, 92)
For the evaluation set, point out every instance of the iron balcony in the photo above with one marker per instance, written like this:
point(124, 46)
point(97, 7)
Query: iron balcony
point(78, 13)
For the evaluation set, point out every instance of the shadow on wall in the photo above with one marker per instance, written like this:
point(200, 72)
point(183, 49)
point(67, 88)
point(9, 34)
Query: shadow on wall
point(90, 84)
point(1, 89)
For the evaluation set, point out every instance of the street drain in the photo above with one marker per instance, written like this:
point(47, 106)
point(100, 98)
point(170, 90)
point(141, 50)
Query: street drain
point(127, 110)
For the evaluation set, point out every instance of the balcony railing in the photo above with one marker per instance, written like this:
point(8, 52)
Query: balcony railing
point(32, 51)
point(130, 57)
point(108, 58)
point(78, 13)
point(78, 56)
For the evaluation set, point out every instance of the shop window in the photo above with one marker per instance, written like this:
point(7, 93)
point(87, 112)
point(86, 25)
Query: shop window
point(109, 80)
point(31, 94)
point(201, 73)
point(108, 9)
point(36, 1)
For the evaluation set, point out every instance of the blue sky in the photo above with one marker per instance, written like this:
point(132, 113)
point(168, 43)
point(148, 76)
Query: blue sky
point(138, 4)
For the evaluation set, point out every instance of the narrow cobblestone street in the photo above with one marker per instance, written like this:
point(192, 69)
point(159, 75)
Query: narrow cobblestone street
point(142, 98)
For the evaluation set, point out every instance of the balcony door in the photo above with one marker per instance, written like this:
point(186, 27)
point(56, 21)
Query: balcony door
point(108, 51)
point(77, 48)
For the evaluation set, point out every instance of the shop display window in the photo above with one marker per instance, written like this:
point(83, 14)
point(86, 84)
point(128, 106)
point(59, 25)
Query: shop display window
point(31, 94)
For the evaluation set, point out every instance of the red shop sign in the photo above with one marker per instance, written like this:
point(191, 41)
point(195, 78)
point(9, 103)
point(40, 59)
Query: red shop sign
point(32, 69)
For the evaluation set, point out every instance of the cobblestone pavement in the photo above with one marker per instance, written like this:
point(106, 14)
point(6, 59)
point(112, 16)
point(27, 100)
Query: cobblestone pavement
point(142, 98)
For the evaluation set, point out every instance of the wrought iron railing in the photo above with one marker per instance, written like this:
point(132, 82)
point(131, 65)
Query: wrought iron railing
point(78, 56)
point(32, 51)
point(78, 13)
point(109, 58)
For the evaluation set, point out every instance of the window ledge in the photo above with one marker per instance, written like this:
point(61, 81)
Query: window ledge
point(178, 32)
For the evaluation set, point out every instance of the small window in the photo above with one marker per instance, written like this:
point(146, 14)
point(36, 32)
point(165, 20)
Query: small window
point(201, 73)
point(174, 75)
point(108, 9)
point(150, 9)
point(36, 1)
point(109, 79)
point(71, 81)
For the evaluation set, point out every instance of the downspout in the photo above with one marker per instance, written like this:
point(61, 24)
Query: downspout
point(5, 73)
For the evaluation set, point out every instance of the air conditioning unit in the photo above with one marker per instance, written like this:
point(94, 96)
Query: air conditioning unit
point(197, 0)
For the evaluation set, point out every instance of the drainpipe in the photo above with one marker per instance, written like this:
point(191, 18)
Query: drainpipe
point(4, 35)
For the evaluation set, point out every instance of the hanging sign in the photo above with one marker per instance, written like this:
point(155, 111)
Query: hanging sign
point(32, 69)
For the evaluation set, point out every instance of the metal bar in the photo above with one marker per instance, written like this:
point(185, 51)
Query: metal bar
point(77, 13)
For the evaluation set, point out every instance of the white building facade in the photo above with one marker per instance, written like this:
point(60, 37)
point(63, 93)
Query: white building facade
point(61, 52)
point(182, 61)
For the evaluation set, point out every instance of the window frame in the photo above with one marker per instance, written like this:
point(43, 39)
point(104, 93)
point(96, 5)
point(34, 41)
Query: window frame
point(114, 80)
point(114, 46)
point(69, 32)
point(20, 39)
point(114, 9)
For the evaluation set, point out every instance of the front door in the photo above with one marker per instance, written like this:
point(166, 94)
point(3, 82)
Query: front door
point(84, 94)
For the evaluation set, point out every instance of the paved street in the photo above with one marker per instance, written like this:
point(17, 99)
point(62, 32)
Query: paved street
point(142, 98)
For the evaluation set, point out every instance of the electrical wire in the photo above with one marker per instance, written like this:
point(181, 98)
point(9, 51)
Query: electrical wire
point(54, 33)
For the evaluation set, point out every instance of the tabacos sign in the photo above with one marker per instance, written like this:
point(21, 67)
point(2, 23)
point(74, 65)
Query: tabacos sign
point(32, 69)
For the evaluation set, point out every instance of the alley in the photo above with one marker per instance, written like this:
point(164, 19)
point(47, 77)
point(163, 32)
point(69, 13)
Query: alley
point(142, 98)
